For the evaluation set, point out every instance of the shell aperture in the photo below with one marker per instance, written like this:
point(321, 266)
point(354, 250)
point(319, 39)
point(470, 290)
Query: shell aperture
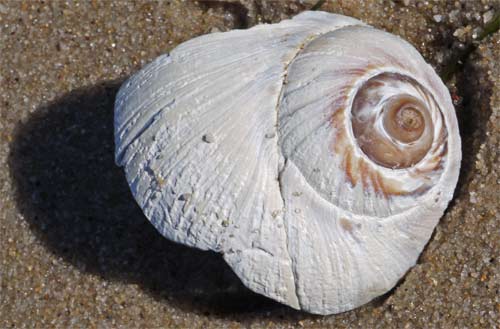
point(316, 165)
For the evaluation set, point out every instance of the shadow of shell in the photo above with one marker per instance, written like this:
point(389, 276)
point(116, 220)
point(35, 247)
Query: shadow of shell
point(77, 202)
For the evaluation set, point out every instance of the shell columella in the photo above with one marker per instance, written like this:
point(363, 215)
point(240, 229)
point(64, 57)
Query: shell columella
point(317, 155)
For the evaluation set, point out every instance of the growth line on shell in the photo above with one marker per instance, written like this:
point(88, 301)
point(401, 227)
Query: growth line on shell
point(284, 164)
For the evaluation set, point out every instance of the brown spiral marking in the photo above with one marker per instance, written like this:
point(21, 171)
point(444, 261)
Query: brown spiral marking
point(359, 171)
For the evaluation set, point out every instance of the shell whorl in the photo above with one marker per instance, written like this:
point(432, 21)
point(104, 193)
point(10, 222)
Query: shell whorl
point(348, 102)
point(391, 120)
point(317, 155)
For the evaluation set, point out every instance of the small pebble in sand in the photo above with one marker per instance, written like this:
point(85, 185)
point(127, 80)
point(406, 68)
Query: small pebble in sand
point(488, 16)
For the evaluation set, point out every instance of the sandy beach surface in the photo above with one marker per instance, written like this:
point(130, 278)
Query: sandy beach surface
point(77, 252)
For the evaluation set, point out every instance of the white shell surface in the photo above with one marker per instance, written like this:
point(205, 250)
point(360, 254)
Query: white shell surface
point(240, 142)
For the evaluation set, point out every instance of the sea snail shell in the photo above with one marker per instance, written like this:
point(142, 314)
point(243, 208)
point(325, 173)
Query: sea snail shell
point(317, 155)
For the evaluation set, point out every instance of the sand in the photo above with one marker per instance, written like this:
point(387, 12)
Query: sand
point(75, 249)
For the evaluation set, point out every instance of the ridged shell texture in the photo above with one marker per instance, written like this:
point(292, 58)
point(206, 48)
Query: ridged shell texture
point(317, 155)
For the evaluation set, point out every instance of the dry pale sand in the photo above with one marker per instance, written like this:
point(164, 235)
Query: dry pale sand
point(76, 251)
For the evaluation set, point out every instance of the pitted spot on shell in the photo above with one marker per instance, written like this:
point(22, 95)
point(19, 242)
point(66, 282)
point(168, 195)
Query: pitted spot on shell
point(346, 225)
